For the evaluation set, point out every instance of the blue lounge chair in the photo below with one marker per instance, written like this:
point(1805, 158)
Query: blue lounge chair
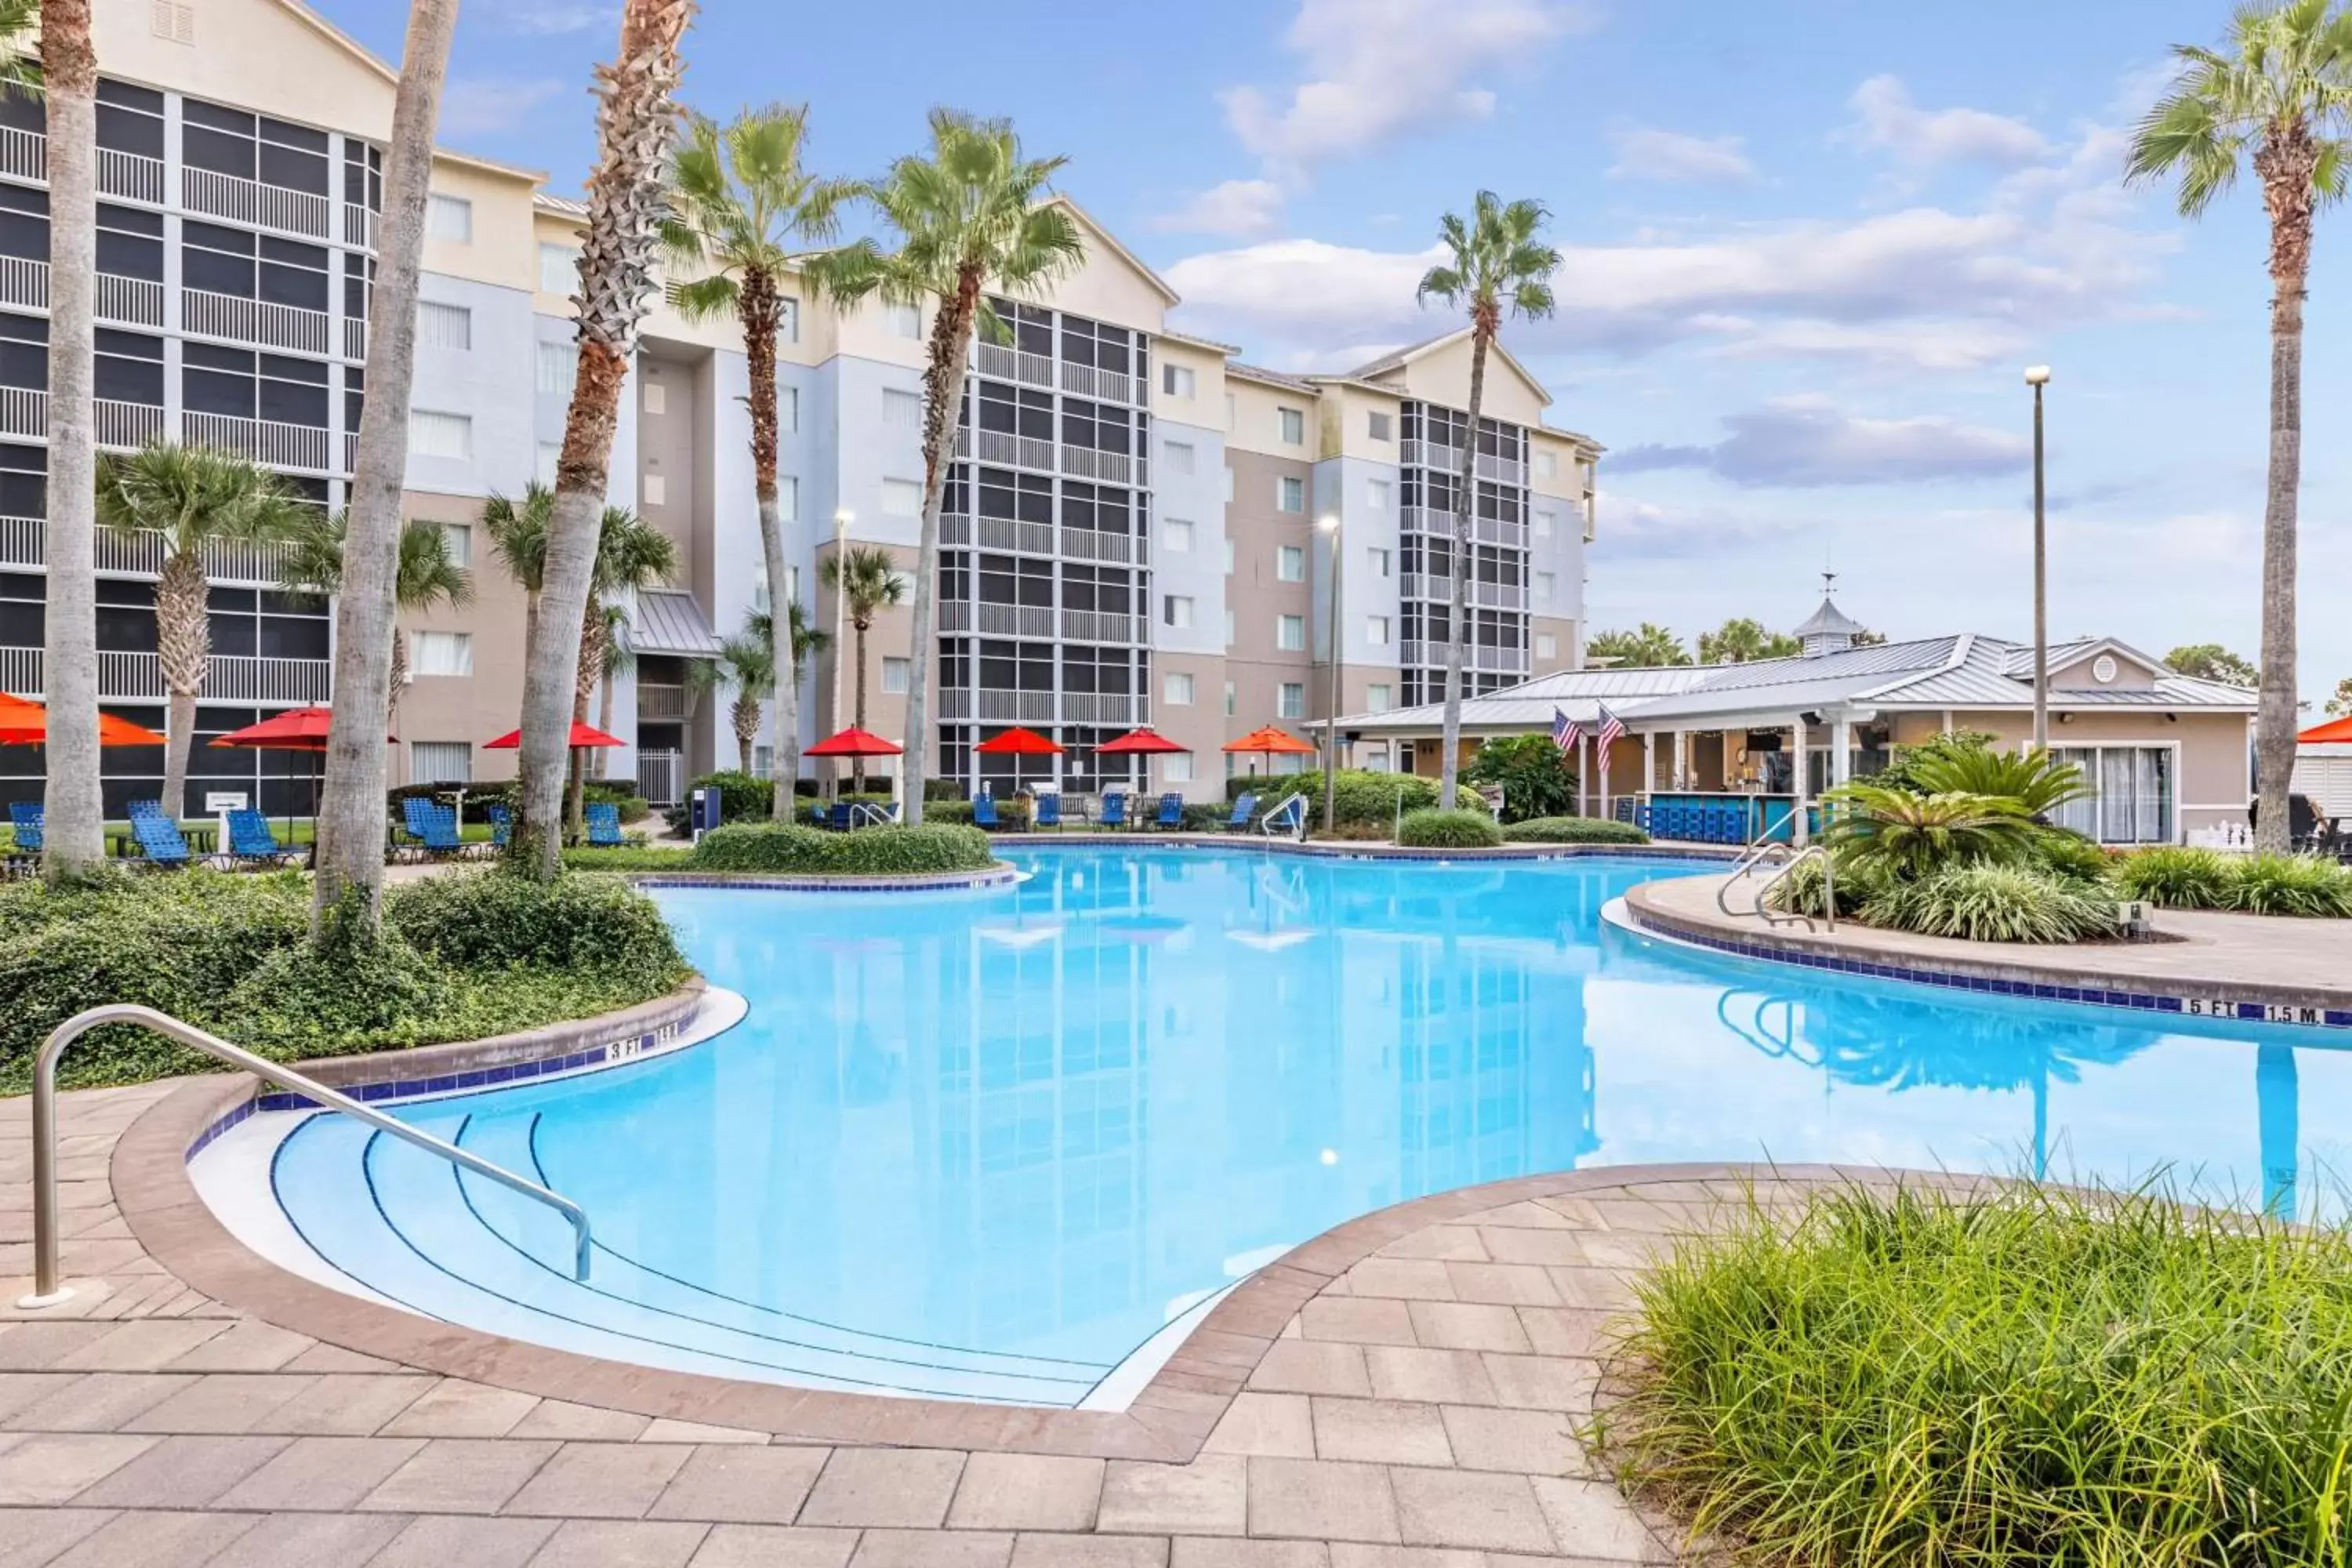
point(249, 838)
point(25, 821)
point(603, 825)
point(1048, 813)
point(1171, 811)
point(1114, 812)
point(159, 839)
point(1243, 809)
point(841, 817)
point(433, 825)
point(983, 812)
point(501, 826)
point(140, 808)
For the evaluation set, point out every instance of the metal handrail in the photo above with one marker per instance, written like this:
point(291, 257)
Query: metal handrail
point(49, 1293)
point(1299, 823)
point(1788, 868)
point(1754, 855)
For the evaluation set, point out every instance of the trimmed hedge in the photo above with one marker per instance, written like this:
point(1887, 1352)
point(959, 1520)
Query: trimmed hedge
point(1572, 830)
point(868, 852)
point(1435, 829)
point(1363, 796)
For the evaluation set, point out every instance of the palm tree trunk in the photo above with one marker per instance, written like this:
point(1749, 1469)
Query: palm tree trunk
point(183, 646)
point(951, 349)
point(350, 852)
point(588, 672)
point(757, 309)
point(74, 844)
point(858, 624)
point(1458, 622)
point(399, 679)
point(2287, 193)
point(636, 122)
point(745, 716)
point(605, 721)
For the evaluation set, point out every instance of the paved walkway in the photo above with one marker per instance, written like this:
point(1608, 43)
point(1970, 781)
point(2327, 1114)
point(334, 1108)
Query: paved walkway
point(1414, 1413)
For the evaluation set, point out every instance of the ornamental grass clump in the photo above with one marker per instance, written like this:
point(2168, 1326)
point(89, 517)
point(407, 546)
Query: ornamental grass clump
point(2175, 878)
point(1910, 1378)
point(1992, 902)
point(2306, 885)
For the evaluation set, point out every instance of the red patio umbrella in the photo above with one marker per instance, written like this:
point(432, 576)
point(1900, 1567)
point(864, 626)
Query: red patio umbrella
point(582, 735)
point(1270, 742)
point(1017, 742)
point(295, 730)
point(25, 723)
point(1145, 743)
point(853, 742)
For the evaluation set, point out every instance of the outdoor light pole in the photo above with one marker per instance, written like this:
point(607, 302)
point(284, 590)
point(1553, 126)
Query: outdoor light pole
point(840, 522)
point(2037, 377)
point(1329, 523)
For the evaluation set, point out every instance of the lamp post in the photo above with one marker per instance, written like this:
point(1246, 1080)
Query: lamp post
point(2037, 377)
point(1329, 523)
point(841, 519)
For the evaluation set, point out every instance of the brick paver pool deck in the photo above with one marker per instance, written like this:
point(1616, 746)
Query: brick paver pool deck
point(1411, 1409)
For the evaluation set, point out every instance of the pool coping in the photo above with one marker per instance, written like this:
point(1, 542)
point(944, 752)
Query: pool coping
point(2057, 974)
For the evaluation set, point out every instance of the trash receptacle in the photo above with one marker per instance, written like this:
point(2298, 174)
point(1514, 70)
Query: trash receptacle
point(702, 810)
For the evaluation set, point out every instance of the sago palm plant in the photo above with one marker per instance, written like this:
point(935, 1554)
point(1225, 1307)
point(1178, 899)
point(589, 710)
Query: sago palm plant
point(1910, 836)
point(2037, 781)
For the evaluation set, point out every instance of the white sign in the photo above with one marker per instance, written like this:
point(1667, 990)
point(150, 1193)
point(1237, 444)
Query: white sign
point(219, 800)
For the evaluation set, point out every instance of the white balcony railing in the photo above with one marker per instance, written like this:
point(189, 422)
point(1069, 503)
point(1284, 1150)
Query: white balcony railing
point(1086, 545)
point(24, 154)
point(228, 677)
point(1086, 463)
point(24, 283)
point(1001, 446)
point(1002, 364)
point(1008, 533)
point(1097, 708)
point(1014, 707)
point(126, 426)
point(1430, 455)
point(663, 702)
point(204, 314)
point(1011, 620)
point(22, 543)
point(265, 441)
point(1098, 626)
point(1487, 660)
point(133, 176)
point(359, 225)
point(1439, 589)
point(24, 411)
point(133, 301)
point(1102, 385)
point(20, 671)
point(350, 451)
point(1502, 470)
point(251, 201)
point(354, 340)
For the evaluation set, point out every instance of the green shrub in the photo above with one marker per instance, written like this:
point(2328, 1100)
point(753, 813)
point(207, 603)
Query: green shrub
point(1912, 1380)
point(1913, 836)
point(2175, 878)
point(2302, 885)
point(1011, 815)
point(1572, 830)
point(1991, 901)
point(1363, 796)
point(639, 858)
point(1537, 779)
point(1433, 829)
point(741, 797)
point(489, 920)
point(1799, 892)
point(1203, 816)
point(1901, 771)
point(2068, 855)
point(634, 807)
point(868, 852)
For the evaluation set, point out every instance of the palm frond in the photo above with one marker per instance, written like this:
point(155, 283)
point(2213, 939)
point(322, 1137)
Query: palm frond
point(517, 532)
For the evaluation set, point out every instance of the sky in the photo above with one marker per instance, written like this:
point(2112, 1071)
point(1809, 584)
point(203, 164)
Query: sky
point(1809, 247)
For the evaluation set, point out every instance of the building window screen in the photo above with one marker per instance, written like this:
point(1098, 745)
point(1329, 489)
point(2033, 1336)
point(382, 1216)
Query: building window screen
point(441, 761)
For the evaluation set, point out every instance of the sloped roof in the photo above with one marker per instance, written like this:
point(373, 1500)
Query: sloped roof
point(1829, 621)
point(669, 622)
point(1390, 362)
point(1277, 377)
point(2336, 731)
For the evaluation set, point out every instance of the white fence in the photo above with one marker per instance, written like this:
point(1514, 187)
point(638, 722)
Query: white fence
point(249, 201)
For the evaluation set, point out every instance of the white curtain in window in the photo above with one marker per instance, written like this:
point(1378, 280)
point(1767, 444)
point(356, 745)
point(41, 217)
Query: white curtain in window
point(441, 761)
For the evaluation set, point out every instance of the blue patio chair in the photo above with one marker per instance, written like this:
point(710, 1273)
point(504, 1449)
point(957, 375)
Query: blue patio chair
point(839, 817)
point(1171, 811)
point(603, 825)
point(983, 812)
point(501, 826)
point(1243, 809)
point(25, 821)
point(249, 838)
point(1114, 812)
point(433, 827)
point(159, 839)
point(140, 808)
point(1048, 813)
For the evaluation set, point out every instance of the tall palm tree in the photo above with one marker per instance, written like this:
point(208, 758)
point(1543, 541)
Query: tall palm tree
point(517, 535)
point(348, 855)
point(627, 199)
point(745, 665)
point(968, 218)
point(620, 657)
point(74, 844)
point(739, 200)
point(2277, 94)
point(1743, 639)
point(632, 555)
point(1497, 265)
point(428, 576)
point(868, 583)
point(192, 495)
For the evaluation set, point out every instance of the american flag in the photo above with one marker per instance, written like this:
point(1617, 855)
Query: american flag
point(1612, 728)
point(1565, 730)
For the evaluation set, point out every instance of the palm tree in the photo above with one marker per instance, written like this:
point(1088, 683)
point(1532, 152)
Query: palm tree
point(969, 219)
point(627, 199)
point(518, 534)
point(868, 580)
point(745, 665)
point(619, 658)
point(2277, 94)
point(348, 855)
point(191, 497)
point(739, 200)
point(1497, 265)
point(74, 845)
point(1650, 648)
point(1741, 639)
point(632, 555)
point(428, 576)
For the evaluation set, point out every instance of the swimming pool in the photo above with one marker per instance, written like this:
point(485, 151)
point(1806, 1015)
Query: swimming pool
point(983, 1145)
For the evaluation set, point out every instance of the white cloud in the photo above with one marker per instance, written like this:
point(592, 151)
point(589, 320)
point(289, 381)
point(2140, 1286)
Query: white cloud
point(482, 105)
point(1645, 152)
point(1885, 118)
point(1807, 441)
point(1926, 345)
point(1238, 208)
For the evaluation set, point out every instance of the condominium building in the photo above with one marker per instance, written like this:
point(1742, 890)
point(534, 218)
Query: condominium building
point(1141, 529)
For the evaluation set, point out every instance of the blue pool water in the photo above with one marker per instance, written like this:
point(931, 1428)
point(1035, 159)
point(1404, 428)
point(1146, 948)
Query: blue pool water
point(984, 1143)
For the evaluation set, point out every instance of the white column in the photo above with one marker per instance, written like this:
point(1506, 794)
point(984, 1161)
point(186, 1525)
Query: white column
point(1649, 762)
point(1584, 777)
point(1840, 749)
point(1682, 774)
point(1800, 780)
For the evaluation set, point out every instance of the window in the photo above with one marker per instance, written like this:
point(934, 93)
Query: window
point(763, 760)
point(1229, 699)
point(1547, 465)
point(1547, 645)
point(1379, 698)
point(1291, 495)
point(904, 321)
point(902, 498)
point(559, 269)
point(1176, 535)
point(1178, 455)
point(1290, 564)
point(440, 326)
point(1176, 690)
point(1232, 411)
point(1290, 633)
point(652, 490)
point(1376, 496)
point(441, 653)
point(542, 468)
point(1176, 610)
point(441, 761)
point(559, 365)
point(1545, 582)
point(656, 397)
point(2134, 802)
point(1178, 381)
point(1177, 767)
point(1376, 561)
point(1376, 631)
point(432, 434)
point(1546, 520)
point(1294, 426)
point(788, 410)
point(788, 320)
point(457, 541)
point(1229, 556)
point(1377, 426)
point(894, 676)
point(1229, 486)
point(902, 410)
point(788, 500)
point(449, 217)
point(1292, 703)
